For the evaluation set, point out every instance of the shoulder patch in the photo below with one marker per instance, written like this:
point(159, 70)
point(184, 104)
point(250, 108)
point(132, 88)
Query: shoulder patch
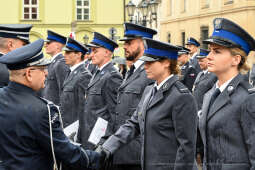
point(181, 87)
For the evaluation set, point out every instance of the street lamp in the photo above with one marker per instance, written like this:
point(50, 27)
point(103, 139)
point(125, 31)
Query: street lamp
point(86, 39)
point(153, 7)
point(143, 7)
point(130, 9)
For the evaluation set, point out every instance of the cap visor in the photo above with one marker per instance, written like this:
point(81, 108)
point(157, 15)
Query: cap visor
point(67, 49)
point(200, 56)
point(146, 58)
point(43, 62)
point(218, 42)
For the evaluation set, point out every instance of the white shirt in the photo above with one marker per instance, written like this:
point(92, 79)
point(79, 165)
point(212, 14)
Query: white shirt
point(75, 66)
point(101, 68)
point(137, 64)
point(53, 58)
point(223, 86)
point(205, 71)
point(163, 82)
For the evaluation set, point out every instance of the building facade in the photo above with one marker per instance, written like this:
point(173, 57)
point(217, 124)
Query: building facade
point(193, 18)
point(65, 16)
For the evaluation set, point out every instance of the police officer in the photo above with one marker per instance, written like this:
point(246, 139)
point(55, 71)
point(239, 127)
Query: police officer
point(101, 95)
point(165, 118)
point(57, 69)
point(204, 80)
point(31, 135)
point(130, 93)
point(88, 62)
point(12, 36)
point(188, 71)
point(193, 45)
point(76, 82)
point(226, 131)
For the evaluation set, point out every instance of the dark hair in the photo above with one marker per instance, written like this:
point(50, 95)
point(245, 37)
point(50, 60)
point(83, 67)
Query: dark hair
point(173, 68)
point(82, 55)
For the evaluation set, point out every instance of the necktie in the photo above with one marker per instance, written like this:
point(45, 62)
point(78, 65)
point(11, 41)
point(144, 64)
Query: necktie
point(131, 71)
point(214, 96)
point(95, 74)
point(68, 73)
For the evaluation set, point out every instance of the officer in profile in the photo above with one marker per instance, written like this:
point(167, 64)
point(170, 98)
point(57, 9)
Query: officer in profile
point(188, 71)
point(31, 134)
point(12, 36)
point(130, 92)
point(204, 80)
point(88, 61)
point(193, 45)
point(101, 95)
point(76, 82)
point(166, 116)
point(226, 128)
point(57, 69)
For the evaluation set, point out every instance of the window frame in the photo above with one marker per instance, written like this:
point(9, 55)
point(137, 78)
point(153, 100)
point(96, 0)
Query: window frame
point(82, 7)
point(30, 13)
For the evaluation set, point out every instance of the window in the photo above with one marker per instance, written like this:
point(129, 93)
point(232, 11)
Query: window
point(82, 9)
point(183, 38)
point(226, 2)
point(204, 35)
point(183, 5)
point(168, 37)
point(30, 9)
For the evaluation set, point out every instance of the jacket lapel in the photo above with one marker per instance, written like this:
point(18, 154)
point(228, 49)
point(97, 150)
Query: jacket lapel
point(134, 76)
point(224, 97)
point(72, 74)
point(160, 93)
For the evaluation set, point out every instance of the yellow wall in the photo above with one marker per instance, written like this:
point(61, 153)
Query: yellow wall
point(57, 15)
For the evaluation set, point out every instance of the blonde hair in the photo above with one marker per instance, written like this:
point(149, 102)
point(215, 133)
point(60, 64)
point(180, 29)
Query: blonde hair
point(243, 66)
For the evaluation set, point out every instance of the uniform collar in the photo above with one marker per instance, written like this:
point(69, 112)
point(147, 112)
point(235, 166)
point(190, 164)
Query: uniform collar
point(53, 58)
point(193, 56)
point(75, 66)
point(223, 86)
point(137, 64)
point(163, 82)
point(20, 87)
point(101, 68)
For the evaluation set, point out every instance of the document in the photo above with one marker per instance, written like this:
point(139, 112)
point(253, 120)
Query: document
point(71, 131)
point(98, 131)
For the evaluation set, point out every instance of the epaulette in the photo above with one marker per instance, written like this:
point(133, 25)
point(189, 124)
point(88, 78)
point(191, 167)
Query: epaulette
point(251, 90)
point(182, 88)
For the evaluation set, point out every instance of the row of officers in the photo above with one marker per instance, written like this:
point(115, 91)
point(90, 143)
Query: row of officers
point(157, 120)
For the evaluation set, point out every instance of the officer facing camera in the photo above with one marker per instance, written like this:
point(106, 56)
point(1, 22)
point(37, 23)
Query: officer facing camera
point(31, 134)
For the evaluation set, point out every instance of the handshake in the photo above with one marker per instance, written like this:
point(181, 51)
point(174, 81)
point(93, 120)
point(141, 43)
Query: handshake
point(102, 159)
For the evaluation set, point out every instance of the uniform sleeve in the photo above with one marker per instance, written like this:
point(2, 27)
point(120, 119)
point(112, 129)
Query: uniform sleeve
point(66, 152)
point(61, 73)
point(110, 91)
point(125, 134)
point(248, 127)
point(185, 123)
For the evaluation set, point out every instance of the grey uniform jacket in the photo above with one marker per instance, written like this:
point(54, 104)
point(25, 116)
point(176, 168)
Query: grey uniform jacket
point(202, 84)
point(57, 71)
point(4, 74)
point(129, 95)
point(100, 101)
point(188, 75)
point(72, 98)
point(224, 130)
point(167, 126)
point(91, 67)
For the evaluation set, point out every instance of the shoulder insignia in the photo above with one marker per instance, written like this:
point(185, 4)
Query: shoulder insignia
point(181, 87)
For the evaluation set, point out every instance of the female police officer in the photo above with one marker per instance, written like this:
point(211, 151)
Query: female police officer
point(224, 135)
point(165, 117)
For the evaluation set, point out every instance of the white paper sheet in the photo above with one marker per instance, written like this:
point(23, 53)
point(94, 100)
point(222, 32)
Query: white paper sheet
point(98, 131)
point(71, 131)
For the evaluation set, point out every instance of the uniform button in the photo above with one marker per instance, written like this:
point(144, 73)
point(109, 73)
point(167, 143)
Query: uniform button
point(117, 113)
point(118, 102)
